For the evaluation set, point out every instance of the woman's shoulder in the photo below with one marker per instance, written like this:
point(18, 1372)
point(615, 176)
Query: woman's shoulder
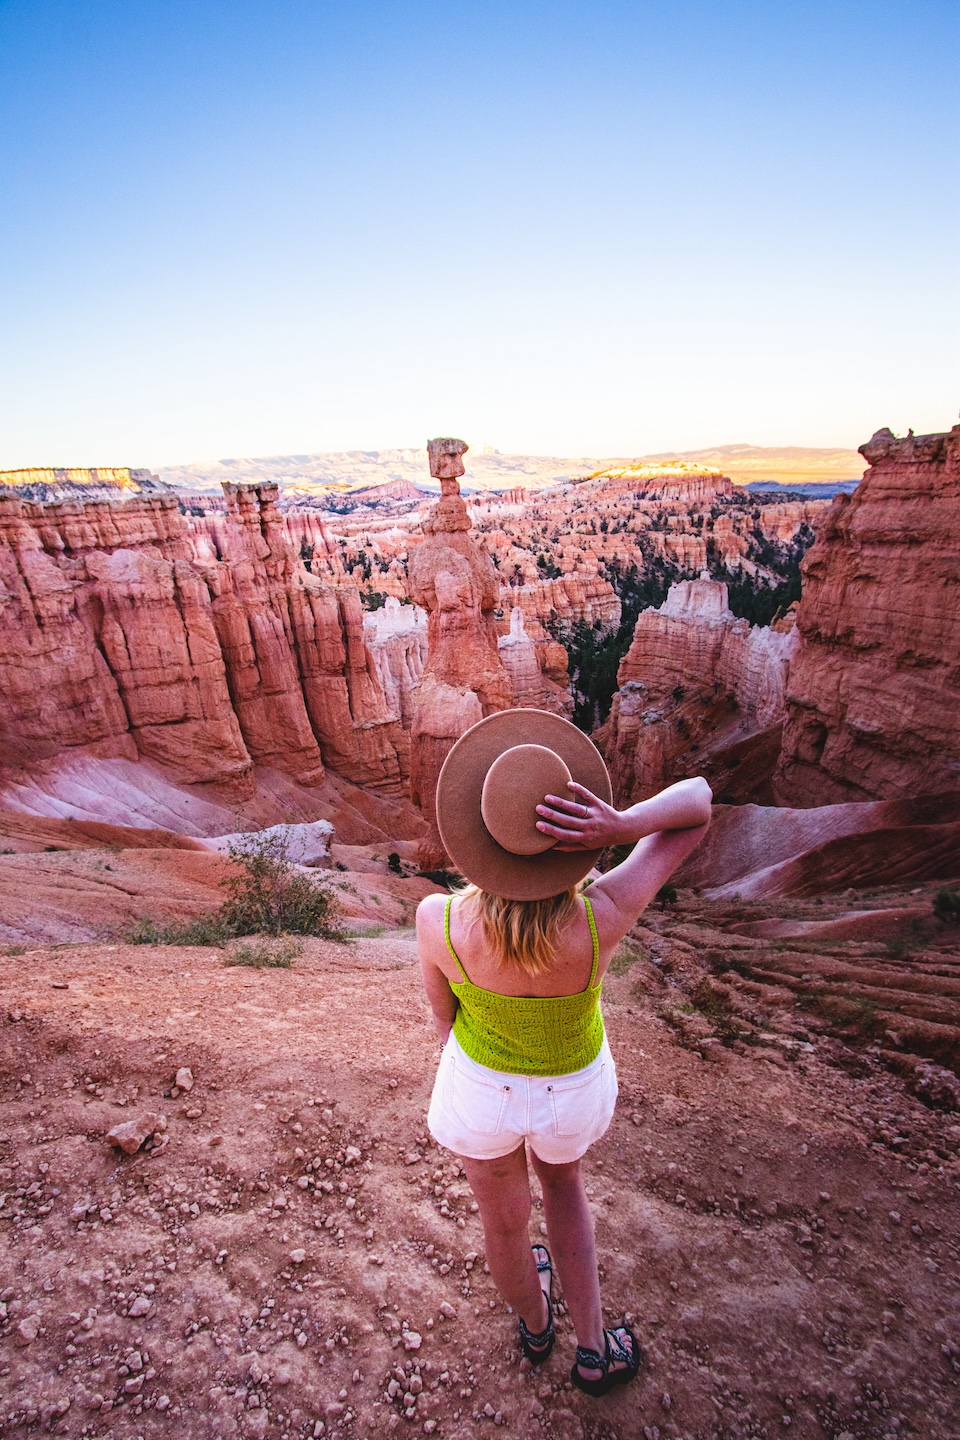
point(431, 908)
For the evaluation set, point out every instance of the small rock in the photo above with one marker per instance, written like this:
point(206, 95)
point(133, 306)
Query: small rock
point(132, 1133)
point(163, 1403)
point(665, 1400)
point(193, 1113)
point(447, 1310)
point(29, 1328)
point(82, 1209)
point(140, 1306)
point(353, 1155)
point(184, 1078)
point(298, 1256)
point(411, 1340)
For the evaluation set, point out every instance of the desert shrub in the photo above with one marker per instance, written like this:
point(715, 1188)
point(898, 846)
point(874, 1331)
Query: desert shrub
point(446, 878)
point(205, 930)
point(667, 895)
point(946, 906)
point(393, 863)
point(264, 954)
point(269, 895)
point(272, 896)
point(627, 954)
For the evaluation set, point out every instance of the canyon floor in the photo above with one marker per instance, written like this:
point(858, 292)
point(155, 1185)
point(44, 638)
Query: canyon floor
point(776, 1198)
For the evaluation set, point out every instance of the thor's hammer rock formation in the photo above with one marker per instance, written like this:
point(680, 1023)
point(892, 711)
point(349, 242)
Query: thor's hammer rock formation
point(454, 580)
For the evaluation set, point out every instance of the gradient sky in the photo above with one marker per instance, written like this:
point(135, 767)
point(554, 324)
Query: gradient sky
point(602, 228)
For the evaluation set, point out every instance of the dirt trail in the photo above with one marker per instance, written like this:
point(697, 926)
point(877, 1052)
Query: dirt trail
point(300, 1251)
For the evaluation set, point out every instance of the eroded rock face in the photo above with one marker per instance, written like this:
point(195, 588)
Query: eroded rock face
point(583, 595)
point(696, 679)
point(396, 637)
point(454, 580)
point(537, 668)
point(124, 629)
point(875, 684)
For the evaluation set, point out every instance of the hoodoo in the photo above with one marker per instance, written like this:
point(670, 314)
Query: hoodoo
point(454, 580)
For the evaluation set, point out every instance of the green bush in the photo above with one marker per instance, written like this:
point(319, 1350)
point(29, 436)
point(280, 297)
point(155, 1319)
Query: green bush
point(271, 896)
point(205, 930)
point(946, 906)
point(264, 954)
point(447, 879)
point(268, 895)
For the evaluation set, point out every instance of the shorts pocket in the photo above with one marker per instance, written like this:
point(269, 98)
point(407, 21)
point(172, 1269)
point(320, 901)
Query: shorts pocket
point(476, 1102)
point(575, 1103)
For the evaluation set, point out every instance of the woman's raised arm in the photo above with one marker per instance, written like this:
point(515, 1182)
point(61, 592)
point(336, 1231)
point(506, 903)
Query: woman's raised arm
point(663, 831)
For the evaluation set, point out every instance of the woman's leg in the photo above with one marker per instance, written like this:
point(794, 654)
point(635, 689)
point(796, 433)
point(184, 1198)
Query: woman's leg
point(502, 1190)
point(566, 1211)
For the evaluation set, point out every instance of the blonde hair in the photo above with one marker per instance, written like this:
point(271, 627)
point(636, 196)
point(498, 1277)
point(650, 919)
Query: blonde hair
point(524, 933)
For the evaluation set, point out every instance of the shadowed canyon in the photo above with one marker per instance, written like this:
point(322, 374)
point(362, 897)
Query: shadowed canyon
point(287, 661)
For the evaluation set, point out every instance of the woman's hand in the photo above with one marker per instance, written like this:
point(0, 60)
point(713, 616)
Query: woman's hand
point(587, 823)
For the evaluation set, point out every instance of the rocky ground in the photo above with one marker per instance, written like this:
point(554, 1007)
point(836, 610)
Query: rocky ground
point(776, 1202)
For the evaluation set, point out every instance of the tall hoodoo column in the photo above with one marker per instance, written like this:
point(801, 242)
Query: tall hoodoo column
point(452, 577)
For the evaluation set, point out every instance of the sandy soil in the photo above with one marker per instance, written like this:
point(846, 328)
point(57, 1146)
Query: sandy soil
point(300, 1249)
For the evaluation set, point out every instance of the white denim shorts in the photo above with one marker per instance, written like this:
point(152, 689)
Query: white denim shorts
point(483, 1114)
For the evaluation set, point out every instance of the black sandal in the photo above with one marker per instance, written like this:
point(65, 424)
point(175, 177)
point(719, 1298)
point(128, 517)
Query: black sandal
point(615, 1351)
point(537, 1347)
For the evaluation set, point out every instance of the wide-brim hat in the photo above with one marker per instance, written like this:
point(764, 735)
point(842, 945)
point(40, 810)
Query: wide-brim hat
point(493, 779)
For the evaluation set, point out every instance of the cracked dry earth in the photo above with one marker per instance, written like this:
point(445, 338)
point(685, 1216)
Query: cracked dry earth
point(298, 1259)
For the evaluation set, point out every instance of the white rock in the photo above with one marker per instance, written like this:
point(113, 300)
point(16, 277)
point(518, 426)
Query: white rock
point(307, 844)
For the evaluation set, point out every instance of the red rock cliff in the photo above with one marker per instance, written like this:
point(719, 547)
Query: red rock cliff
point(874, 687)
point(123, 629)
point(699, 688)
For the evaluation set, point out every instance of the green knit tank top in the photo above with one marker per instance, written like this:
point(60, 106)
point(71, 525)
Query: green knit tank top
point(528, 1036)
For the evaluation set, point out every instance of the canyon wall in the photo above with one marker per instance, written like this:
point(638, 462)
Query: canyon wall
point(696, 683)
point(396, 637)
point(537, 668)
point(874, 691)
point(581, 595)
point(125, 630)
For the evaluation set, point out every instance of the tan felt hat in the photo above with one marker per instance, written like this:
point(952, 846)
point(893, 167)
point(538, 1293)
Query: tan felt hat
point(490, 785)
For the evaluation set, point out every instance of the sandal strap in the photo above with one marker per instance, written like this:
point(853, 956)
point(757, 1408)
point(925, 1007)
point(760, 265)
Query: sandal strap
point(541, 1337)
point(617, 1350)
point(591, 1360)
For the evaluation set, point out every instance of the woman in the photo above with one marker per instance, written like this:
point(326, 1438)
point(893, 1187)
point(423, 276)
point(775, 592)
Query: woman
point(513, 968)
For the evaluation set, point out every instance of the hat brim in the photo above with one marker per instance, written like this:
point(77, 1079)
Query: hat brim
point(467, 840)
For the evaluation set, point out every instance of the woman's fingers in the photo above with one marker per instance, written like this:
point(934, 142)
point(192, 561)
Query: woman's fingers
point(588, 795)
point(565, 806)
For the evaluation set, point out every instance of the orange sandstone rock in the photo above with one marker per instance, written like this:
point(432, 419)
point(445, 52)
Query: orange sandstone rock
point(453, 579)
point(874, 685)
point(124, 628)
point(695, 679)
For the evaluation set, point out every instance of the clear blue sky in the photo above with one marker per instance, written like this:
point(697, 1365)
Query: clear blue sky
point(597, 228)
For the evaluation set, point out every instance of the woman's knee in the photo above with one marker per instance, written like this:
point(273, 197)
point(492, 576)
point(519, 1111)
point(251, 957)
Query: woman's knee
point(558, 1179)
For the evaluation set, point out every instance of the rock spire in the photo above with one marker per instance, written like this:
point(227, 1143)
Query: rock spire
point(454, 580)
